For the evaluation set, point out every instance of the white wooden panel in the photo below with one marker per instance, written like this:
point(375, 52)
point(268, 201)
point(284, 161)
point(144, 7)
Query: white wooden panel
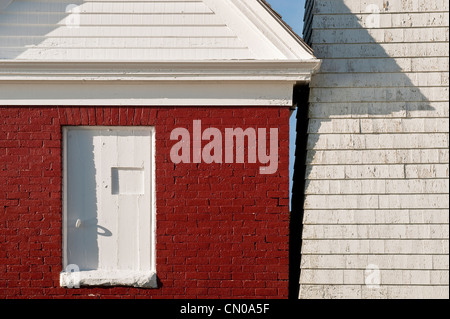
point(172, 31)
point(110, 6)
point(141, 30)
point(109, 254)
point(116, 224)
point(377, 166)
point(82, 201)
point(204, 93)
point(117, 30)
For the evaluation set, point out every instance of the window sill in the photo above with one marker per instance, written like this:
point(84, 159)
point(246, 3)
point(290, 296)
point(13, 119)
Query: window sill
point(139, 279)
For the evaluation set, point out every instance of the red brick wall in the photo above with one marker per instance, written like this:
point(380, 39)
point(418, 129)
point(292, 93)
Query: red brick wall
point(222, 229)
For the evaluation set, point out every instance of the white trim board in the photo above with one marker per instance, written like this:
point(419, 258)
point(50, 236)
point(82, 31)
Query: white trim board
point(225, 83)
point(263, 70)
point(207, 93)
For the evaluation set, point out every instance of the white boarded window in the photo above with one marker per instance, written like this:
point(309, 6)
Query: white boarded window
point(109, 213)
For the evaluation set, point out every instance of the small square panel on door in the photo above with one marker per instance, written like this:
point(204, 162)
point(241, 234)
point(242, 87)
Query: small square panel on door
point(108, 203)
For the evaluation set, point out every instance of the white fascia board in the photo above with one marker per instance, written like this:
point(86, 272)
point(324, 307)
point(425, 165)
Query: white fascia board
point(213, 83)
point(184, 93)
point(279, 70)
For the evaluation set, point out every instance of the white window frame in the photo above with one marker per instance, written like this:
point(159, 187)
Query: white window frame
point(71, 276)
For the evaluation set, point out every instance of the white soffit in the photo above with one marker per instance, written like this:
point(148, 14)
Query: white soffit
point(111, 42)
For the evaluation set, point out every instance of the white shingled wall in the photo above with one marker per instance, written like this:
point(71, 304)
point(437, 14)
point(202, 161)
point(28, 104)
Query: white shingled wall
point(377, 187)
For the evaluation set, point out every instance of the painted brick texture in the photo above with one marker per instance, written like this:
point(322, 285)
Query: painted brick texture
point(222, 229)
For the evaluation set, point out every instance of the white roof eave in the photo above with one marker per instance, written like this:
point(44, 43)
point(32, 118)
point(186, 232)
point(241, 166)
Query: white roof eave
point(226, 70)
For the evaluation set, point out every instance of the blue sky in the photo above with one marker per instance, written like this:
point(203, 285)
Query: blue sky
point(292, 12)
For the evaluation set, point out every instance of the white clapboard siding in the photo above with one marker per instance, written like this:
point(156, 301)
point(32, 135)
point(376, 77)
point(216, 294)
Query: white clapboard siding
point(377, 177)
point(145, 30)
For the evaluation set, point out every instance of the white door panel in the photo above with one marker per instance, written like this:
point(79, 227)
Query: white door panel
point(109, 190)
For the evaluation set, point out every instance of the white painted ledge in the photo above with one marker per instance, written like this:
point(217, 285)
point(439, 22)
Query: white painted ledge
point(139, 279)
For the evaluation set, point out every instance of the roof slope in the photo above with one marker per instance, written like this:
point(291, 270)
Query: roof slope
point(146, 30)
